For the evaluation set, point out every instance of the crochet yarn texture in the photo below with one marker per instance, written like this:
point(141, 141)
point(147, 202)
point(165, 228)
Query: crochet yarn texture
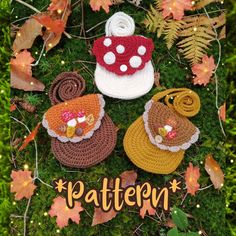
point(82, 134)
point(156, 142)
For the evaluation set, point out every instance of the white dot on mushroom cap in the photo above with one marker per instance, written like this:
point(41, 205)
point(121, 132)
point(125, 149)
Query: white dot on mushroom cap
point(123, 68)
point(135, 61)
point(120, 49)
point(107, 42)
point(109, 58)
point(142, 50)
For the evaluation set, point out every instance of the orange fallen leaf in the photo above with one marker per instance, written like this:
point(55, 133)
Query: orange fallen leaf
point(128, 178)
point(63, 213)
point(56, 26)
point(21, 73)
point(97, 4)
point(204, 70)
point(57, 5)
point(222, 112)
point(192, 175)
point(13, 107)
point(22, 184)
point(176, 8)
point(26, 35)
point(147, 208)
point(30, 137)
point(215, 172)
point(170, 223)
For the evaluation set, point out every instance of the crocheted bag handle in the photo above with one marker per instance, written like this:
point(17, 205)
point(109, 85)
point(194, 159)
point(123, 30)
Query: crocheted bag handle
point(185, 101)
point(66, 86)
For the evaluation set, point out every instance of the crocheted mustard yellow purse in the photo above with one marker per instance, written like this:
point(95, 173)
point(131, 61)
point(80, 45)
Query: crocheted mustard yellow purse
point(156, 142)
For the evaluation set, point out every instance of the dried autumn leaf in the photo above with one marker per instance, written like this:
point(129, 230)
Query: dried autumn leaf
point(192, 175)
point(21, 73)
point(63, 213)
point(22, 184)
point(147, 208)
point(30, 137)
point(26, 35)
point(56, 26)
point(13, 107)
point(128, 178)
point(222, 112)
point(170, 223)
point(57, 5)
point(215, 172)
point(222, 34)
point(97, 4)
point(204, 70)
point(176, 8)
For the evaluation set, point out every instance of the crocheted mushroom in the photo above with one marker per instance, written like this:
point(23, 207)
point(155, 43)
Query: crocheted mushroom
point(124, 69)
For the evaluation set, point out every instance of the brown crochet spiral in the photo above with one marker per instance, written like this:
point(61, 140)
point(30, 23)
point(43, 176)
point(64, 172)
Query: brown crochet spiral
point(66, 86)
point(90, 151)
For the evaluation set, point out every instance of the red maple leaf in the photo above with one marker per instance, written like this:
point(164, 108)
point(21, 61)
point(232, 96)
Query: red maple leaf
point(97, 4)
point(22, 184)
point(204, 70)
point(63, 213)
point(56, 26)
point(22, 62)
point(192, 175)
point(176, 8)
point(30, 137)
point(147, 208)
point(57, 5)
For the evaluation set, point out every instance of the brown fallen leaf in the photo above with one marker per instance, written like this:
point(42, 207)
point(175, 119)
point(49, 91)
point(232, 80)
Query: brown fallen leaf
point(128, 178)
point(27, 106)
point(222, 112)
point(147, 208)
point(26, 35)
point(30, 137)
point(222, 34)
point(169, 223)
point(157, 79)
point(21, 73)
point(215, 172)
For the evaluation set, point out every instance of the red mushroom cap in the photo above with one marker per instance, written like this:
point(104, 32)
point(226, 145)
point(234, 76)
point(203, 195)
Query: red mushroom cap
point(123, 55)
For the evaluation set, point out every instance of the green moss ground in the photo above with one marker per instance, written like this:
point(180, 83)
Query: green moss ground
point(211, 214)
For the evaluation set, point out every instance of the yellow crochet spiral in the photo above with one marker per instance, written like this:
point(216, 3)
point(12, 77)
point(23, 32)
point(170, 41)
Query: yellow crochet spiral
point(185, 101)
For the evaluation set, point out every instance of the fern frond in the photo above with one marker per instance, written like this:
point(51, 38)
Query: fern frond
point(172, 30)
point(158, 4)
point(155, 22)
point(197, 33)
point(202, 3)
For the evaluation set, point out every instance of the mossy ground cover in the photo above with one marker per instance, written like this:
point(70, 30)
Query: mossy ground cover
point(211, 214)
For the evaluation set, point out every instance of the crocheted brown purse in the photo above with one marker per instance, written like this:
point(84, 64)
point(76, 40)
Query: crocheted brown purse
point(82, 133)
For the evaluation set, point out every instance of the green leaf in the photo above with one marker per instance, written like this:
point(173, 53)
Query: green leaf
point(180, 219)
point(173, 232)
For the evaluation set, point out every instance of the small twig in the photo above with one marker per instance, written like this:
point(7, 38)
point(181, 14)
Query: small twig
point(89, 62)
point(28, 5)
point(25, 216)
point(137, 6)
point(184, 199)
point(137, 229)
point(16, 216)
point(74, 4)
point(86, 38)
point(95, 26)
point(201, 189)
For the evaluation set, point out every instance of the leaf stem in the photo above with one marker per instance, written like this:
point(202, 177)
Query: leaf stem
point(28, 5)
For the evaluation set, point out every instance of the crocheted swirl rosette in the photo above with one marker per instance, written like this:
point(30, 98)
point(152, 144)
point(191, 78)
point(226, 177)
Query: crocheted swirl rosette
point(82, 133)
point(156, 142)
point(124, 69)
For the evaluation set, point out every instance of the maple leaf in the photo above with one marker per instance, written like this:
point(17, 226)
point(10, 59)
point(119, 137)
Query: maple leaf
point(192, 175)
point(56, 26)
point(147, 208)
point(13, 107)
point(128, 178)
point(26, 35)
point(204, 70)
point(57, 5)
point(21, 73)
point(215, 172)
point(22, 184)
point(97, 4)
point(176, 8)
point(222, 112)
point(23, 61)
point(30, 137)
point(63, 213)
